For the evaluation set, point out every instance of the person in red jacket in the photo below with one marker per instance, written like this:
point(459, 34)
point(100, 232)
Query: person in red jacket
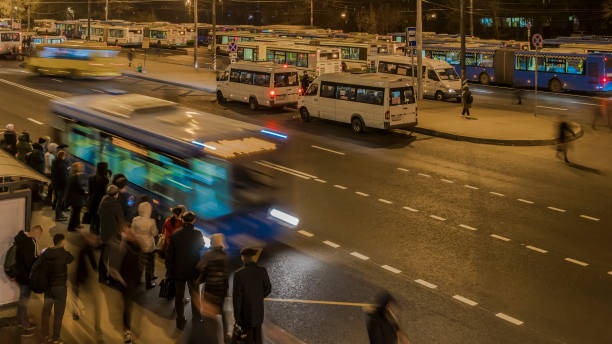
point(171, 224)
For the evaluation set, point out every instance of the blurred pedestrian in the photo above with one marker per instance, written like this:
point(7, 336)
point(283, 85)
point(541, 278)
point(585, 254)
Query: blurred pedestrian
point(184, 252)
point(467, 100)
point(382, 323)
point(563, 139)
point(145, 230)
point(36, 158)
point(50, 157)
point(10, 139)
point(24, 146)
point(172, 224)
point(85, 243)
point(604, 113)
point(130, 271)
point(214, 273)
point(97, 189)
point(27, 252)
point(75, 196)
point(124, 197)
point(130, 56)
point(59, 179)
point(44, 141)
point(111, 221)
point(57, 260)
point(518, 94)
point(251, 286)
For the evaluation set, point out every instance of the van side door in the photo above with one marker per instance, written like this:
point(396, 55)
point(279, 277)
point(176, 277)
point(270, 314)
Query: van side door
point(327, 101)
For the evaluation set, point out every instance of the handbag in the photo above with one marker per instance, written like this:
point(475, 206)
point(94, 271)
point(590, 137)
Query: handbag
point(167, 289)
point(238, 335)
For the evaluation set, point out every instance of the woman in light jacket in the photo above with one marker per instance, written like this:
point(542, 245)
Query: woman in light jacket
point(145, 230)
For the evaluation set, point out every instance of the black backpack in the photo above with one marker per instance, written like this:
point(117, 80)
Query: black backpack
point(10, 262)
point(39, 276)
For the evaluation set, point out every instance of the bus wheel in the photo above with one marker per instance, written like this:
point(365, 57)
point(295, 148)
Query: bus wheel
point(439, 95)
point(484, 78)
point(304, 114)
point(253, 103)
point(555, 85)
point(220, 97)
point(357, 125)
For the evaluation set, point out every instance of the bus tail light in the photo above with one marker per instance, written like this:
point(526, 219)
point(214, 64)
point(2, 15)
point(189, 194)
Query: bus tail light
point(272, 93)
point(387, 115)
point(300, 91)
point(604, 80)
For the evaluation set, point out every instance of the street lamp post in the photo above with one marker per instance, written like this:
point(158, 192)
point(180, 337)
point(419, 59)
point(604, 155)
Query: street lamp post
point(462, 30)
point(419, 52)
point(214, 35)
point(311, 13)
point(195, 27)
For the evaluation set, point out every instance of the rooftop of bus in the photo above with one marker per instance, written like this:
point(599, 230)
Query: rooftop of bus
point(269, 67)
point(366, 79)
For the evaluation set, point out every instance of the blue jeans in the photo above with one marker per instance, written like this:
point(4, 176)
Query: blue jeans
point(22, 304)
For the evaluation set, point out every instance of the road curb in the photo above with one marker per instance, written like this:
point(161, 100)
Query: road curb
point(167, 82)
point(492, 141)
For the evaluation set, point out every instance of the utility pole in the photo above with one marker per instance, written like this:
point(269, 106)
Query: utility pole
point(195, 28)
point(472, 18)
point(311, 13)
point(419, 52)
point(106, 23)
point(106, 11)
point(29, 15)
point(88, 19)
point(462, 30)
point(214, 34)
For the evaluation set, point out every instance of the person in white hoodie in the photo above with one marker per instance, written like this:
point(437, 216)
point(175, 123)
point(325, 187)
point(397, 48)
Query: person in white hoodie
point(145, 229)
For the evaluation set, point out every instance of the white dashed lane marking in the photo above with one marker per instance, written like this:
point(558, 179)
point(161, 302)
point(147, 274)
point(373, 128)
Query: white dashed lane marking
point(35, 121)
point(497, 194)
point(424, 175)
point(341, 187)
point(331, 244)
point(578, 262)
point(392, 269)
point(447, 181)
point(382, 200)
point(411, 209)
point(359, 255)
point(510, 319)
point(471, 187)
point(537, 249)
point(465, 300)
point(403, 169)
point(323, 181)
point(589, 218)
point(557, 209)
point(426, 284)
point(467, 227)
point(305, 233)
point(362, 193)
point(502, 238)
point(552, 108)
point(327, 150)
point(524, 201)
point(437, 218)
point(57, 80)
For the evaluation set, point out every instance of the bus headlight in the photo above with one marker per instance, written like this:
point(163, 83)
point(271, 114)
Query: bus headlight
point(284, 217)
point(450, 90)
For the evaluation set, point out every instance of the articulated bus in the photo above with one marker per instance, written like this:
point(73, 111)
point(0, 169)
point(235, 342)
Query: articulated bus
point(217, 167)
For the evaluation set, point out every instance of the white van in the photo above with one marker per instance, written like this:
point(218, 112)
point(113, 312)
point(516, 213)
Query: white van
point(363, 100)
point(264, 83)
point(440, 80)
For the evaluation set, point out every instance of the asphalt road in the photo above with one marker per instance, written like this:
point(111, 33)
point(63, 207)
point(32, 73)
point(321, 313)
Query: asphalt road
point(480, 244)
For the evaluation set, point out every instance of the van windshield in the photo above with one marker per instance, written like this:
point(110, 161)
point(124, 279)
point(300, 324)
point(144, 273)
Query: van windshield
point(447, 74)
point(401, 96)
point(285, 79)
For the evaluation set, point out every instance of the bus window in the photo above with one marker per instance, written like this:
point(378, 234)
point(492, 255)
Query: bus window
point(486, 61)
point(285, 79)
point(555, 65)
point(453, 57)
point(261, 79)
point(447, 74)
point(345, 93)
point(291, 58)
point(470, 59)
point(9, 37)
point(370, 96)
point(302, 60)
point(246, 77)
point(349, 53)
point(279, 57)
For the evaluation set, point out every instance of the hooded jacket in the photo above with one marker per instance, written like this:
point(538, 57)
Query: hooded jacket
point(381, 328)
point(26, 255)
point(36, 159)
point(111, 219)
point(214, 268)
point(144, 227)
point(57, 260)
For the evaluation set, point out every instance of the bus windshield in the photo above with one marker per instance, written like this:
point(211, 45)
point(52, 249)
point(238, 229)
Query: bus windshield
point(447, 74)
point(285, 79)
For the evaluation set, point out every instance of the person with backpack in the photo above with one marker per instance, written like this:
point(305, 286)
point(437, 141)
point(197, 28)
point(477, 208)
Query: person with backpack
point(55, 261)
point(36, 158)
point(26, 246)
point(467, 100)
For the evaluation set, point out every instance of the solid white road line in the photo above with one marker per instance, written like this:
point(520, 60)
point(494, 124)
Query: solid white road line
point(424, 175)
point(306, 234)
point(362, 193)
point(331, 244)
point(524, 201)
point(536, 249)
point(557, 209)
point(465, 300)
point(583, 103)
point(382, 200)
point(510, 319)
point(403, 169)
point(392, 269)
point(437, 217)
point(426, 284)
point(447, 181)
point(552, 108)
point(359, 255)
point(497, 194)
point(287, 170)
point(321, 180)
point(327, 150)
point(500, 237)
point(282, 170)
point(589, 218)
point(57, 80)
point(48, 95)
point(571, 260)
point(467, 227)
point(354, 304)
point(411, 209)
point(95, 90)
point(341, 187)
point(471, 187)
point(35, 121)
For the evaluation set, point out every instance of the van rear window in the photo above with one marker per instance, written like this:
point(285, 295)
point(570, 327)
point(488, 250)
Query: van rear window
point(285, 79)
point(401, 96)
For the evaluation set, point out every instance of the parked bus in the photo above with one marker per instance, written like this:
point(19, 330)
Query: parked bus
point(440, 80)
point(69, 28)
point(355, 55)
point(364, 100)
point(479, 61)
point(10, 42)
point(213, 168)
point(76, 61)
point(125, 35)
point(44, 26)
point(225, 38)
point(166, 36)
point(96, 32)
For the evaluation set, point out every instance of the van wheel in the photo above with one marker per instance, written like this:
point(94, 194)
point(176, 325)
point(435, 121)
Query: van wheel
point(220, 97)
point(555, 85)
point(484, 78)
point(304, 114)
point(253, 105)
point(439, 95)
point(357, 125)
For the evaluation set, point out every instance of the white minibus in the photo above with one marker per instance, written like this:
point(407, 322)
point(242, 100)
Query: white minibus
point(440, 80)
point(364, 100)
point(259, 84)
point(10, 42)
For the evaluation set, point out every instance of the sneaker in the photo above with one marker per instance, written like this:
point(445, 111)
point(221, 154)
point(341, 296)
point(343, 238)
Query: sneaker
point(127, 336)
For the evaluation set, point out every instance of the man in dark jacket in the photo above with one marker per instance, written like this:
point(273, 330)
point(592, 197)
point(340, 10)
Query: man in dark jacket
point(59, 178)
point(27, 252)
point(10, 139)
point(381, 323)
point(57, 260)
point(466, 100)
point(214, 268)
point(36, 158)
point(251, 286)
point(124, 197)
point(111, 220)
point(184, 252)
point(75, 195)
point(97, 189)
